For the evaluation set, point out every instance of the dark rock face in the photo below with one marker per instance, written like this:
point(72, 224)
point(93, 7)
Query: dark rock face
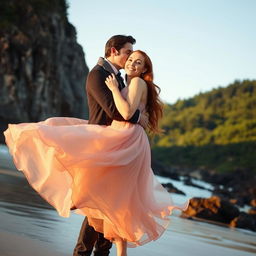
point(42, 67)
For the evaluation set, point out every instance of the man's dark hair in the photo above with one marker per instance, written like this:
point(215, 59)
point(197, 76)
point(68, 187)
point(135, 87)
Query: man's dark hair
point(118, 42)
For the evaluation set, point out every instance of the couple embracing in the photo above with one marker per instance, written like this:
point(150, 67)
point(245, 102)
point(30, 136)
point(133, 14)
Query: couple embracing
point(101, 168)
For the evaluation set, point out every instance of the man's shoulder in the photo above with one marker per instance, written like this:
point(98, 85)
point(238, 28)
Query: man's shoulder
point(96, 71)
point(97, 68)
point(96, 77)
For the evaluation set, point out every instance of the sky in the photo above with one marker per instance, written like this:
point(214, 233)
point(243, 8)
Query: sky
point(195, 45)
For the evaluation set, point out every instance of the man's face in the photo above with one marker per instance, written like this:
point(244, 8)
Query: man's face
point(122, 55)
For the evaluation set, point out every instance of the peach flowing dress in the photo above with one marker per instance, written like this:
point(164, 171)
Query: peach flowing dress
point(105, 171)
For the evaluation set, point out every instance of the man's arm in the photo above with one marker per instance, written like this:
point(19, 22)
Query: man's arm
point(97, 88)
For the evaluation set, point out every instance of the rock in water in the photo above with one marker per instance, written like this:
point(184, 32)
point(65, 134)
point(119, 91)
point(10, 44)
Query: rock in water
point(172, 189)
point(42, 67)
point(213, 208)
point(244, 220)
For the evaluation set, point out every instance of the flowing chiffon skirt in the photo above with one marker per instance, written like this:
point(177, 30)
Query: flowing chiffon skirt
point(104, 171)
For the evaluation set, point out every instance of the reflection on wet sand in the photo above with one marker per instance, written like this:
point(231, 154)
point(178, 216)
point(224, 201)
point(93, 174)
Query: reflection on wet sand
point(16, 190)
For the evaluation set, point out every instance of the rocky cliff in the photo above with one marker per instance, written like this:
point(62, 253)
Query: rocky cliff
point(42, 67)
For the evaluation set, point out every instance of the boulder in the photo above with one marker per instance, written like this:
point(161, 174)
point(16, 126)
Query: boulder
point(244, 220)
point(213, 209)
point(252, 211)
point(238, 186)
point(253, 202)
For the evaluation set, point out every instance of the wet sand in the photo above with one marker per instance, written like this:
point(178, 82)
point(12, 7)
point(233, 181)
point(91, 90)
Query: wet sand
point(29, 226)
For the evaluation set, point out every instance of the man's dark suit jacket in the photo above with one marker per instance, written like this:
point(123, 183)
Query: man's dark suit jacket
point(102, 109)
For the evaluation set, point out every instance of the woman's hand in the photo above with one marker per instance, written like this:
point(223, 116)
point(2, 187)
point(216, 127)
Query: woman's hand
point(111, 82)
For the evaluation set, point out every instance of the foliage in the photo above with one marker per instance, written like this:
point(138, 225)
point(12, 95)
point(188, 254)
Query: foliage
point(211, 128)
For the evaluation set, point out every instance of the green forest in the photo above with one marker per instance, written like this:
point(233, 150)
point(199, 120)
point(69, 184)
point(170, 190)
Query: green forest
point(215, 130)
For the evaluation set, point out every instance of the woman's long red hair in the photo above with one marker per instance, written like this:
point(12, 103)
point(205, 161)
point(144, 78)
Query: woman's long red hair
point(154, 104)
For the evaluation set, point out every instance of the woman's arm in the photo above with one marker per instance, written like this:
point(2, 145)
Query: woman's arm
point(127, 107)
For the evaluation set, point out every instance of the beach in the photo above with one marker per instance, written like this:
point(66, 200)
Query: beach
point(29, 226)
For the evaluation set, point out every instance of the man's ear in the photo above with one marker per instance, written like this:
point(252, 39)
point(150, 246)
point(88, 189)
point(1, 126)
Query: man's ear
point(114, 51)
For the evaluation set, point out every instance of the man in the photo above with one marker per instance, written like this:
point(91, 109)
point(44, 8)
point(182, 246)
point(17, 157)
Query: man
point(102, 111)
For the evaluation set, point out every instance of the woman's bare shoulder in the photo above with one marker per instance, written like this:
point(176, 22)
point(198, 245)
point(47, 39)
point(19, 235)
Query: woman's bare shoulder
point(137, 81)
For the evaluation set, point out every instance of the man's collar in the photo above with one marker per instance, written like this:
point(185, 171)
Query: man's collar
point(112, 66)
point(107, 65)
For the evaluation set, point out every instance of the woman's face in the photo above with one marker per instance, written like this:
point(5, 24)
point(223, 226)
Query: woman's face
point(135, 65)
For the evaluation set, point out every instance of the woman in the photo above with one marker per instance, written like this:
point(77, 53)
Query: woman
point(103, 171)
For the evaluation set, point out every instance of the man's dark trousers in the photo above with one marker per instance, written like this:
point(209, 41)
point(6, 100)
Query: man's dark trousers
point(88, 238)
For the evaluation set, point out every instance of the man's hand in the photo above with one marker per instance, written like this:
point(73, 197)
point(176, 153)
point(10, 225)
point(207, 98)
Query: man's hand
point(143, 119)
